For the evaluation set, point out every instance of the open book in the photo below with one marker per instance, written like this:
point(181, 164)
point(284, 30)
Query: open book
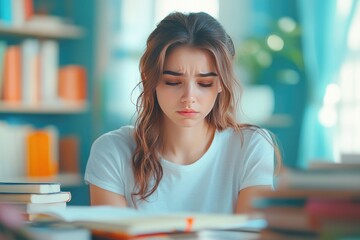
point(130, 222)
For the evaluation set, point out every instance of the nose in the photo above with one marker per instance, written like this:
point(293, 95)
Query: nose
point(188, 100)
point(188, 96)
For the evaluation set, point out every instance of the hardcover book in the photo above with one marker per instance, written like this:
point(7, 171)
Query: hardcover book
point(34, 197)
point(29, 187)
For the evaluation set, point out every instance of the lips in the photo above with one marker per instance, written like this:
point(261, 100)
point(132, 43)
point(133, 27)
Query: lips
point(187, 111)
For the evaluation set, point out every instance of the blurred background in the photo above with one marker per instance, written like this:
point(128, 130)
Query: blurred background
point(298, 61)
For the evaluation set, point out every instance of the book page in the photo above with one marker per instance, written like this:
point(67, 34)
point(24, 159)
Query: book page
point(93, 213)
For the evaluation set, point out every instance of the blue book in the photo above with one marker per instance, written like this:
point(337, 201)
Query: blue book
point(6, 12)
point(278, 202)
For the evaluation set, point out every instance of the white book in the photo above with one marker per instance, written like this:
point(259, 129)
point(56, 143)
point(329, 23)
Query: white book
point(18, 18)
point(54, 143)
point(29, 187)
point(3, 161)
point(32, 208)
point(18, 164)
point(49, 55)
point(12, 142)
point(30, 71)
point(59, 233)
point(35, 197)
point(9, 160)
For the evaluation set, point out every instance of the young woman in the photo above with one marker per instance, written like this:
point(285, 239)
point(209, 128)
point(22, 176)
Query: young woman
point(186, 151)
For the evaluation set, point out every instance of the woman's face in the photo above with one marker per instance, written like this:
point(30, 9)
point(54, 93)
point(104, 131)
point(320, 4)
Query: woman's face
point(188, 87)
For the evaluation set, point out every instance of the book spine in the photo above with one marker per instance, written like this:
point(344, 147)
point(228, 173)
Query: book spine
point(12, 75)
point(72, 83)
point(69, 154)
point(30, 72)
point(49, 54)
point(17, 12)
point(3, 46)
point(17, 147)
point(332, 208)
point(28, 9)
point(3, 146)
point(41, 153)
point(6, 12)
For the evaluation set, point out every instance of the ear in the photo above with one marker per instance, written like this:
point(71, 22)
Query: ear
point(220, 89)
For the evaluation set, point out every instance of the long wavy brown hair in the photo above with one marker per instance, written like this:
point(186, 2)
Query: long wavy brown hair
point(193, 29)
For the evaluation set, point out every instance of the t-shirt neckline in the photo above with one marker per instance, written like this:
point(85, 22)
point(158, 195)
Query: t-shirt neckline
point(198, 163)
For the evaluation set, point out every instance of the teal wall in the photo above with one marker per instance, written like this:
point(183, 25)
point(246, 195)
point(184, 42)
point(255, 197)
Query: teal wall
point(290, 99)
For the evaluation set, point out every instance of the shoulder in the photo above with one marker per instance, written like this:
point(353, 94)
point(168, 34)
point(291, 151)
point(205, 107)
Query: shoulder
point(246, 136)
point(122, 138)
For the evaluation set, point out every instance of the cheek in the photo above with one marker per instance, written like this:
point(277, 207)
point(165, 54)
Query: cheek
point(209, 96)
point(163, 97)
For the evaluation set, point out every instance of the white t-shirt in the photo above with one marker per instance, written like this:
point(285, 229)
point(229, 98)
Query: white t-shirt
point(211, 184)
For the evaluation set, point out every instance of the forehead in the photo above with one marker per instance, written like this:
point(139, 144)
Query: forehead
point(188, 57)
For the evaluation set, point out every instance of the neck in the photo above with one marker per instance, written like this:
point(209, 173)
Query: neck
point(186, 145)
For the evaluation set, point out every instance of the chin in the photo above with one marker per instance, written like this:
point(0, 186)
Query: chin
point(189, 123)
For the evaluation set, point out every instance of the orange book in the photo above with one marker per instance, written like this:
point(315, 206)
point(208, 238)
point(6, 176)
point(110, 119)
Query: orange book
point(40, 155)
point(28, 9)
point(72, 83)
point(12, 74)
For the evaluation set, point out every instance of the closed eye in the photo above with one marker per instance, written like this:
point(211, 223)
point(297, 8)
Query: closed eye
point(172, 83)
point(206, 84)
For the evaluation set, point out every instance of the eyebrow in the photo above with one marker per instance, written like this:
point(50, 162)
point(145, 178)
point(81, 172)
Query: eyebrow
point(209, 74)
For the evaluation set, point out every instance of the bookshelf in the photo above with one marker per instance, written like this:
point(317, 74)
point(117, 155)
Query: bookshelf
point(73, 35)
point(65, 32)
point(44, 108)
point(58, 33)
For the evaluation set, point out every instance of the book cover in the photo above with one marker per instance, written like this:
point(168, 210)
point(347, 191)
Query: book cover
point(34, 197)
point(289, 194)
point(301, 219)
point(58, 233)
point(29, 187)
point(320, 179)
point(308, 214)
point(130, 222)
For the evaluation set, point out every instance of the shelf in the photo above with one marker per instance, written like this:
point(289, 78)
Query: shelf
point(58, 108)
point(66, 179)
point(61, 32)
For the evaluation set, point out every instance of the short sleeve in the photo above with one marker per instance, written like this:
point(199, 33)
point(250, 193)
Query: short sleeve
point(258, 168)
point(104, 166)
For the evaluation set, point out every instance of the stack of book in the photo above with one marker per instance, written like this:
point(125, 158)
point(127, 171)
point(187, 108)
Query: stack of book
point(33, 197)
point(322, 202)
